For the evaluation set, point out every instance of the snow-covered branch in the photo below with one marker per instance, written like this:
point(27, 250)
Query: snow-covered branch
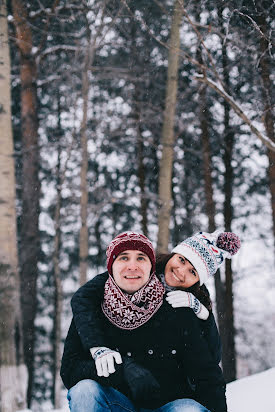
point(235, 106)
point(54, 49)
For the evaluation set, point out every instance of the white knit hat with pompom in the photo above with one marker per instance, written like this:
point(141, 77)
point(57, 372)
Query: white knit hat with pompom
point(207, 251)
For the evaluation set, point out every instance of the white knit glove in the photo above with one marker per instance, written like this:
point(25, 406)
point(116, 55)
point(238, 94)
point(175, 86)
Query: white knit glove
point(104, 360)
point(181, 299)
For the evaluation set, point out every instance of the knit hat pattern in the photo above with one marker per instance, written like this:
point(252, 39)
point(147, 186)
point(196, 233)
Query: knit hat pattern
point(130, 241)
point(207, 251)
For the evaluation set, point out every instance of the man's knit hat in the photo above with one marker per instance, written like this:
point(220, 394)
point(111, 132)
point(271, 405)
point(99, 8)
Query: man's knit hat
point(207, 251)
point(130, 241)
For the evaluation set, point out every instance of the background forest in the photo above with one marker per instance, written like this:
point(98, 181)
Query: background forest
point(154, 116)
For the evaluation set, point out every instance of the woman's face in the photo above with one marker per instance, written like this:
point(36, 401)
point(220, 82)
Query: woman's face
point(180, 273)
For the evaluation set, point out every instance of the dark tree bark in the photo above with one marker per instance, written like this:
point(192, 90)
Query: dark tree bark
point(29, 233)
point(228, 330)
point(224, 291)
point(83, 234)
point(58, 295)
point(210, 206)
point(228, 334)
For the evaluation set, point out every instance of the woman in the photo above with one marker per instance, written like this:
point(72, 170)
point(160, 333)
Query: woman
point(206, 252)
point(178, 272)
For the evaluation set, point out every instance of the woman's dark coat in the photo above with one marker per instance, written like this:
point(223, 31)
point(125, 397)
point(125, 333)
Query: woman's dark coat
point(182, 355)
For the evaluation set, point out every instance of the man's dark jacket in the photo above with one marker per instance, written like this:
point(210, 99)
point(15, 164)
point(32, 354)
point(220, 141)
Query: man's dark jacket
point(172, 345)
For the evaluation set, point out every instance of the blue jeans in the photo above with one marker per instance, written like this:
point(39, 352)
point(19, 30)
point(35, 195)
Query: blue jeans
point(89, 396)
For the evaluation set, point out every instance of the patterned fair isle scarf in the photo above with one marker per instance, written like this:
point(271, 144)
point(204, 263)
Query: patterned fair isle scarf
point(131, 311)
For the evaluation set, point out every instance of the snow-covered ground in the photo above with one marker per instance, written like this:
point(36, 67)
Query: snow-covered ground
point(255, 393)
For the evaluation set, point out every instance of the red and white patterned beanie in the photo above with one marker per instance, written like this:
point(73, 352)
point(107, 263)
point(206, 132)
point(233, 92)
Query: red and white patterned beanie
point(129, 241)
point(207, 251)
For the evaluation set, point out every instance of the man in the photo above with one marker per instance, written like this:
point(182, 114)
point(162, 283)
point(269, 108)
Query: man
point(159, 351)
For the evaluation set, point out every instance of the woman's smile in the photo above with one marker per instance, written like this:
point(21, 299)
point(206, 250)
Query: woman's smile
point(179, 272)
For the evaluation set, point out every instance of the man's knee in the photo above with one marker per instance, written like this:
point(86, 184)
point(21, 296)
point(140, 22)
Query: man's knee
point(193, 406)
point(85, 386)
point(185, 405)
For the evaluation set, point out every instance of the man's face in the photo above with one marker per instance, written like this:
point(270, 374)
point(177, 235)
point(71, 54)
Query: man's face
point(131, 270)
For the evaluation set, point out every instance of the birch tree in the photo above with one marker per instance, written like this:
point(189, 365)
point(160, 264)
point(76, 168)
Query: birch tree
point(13, 372)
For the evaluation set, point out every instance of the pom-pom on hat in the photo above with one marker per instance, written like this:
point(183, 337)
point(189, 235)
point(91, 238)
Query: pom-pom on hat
point(207, 251)
point(130, 241)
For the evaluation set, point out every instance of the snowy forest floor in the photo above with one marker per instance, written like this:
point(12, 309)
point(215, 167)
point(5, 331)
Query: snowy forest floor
point(251, 394)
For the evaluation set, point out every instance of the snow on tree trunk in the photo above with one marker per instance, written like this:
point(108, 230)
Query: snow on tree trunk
point(167, 139)
point(13, 372)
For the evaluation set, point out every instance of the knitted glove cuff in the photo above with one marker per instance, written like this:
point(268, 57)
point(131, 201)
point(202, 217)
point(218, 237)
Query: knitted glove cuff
point(101, 352)
point(194, 303)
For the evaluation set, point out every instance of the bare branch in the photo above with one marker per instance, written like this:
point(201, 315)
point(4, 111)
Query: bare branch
point(201, 40)
point(254, 24)
point(54, 49)
point(166, 45)
point(46, 28)
point(264, 139)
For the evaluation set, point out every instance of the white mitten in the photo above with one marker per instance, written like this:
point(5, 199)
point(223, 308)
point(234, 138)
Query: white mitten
point(104, 360)
point(181, 299)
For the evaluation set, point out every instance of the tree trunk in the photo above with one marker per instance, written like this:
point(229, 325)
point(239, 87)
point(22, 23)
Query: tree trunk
point(100, 252)
point(177, 235)
point(167, 139)
point(13, 372)
point(83, 235)
point(140, 158)
point(228, 333)
point(57, 280)
point(141, 179)
point(224, 292)
point(228, 330)
point(210, 206)
point(29, 233)
point(265, 70)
